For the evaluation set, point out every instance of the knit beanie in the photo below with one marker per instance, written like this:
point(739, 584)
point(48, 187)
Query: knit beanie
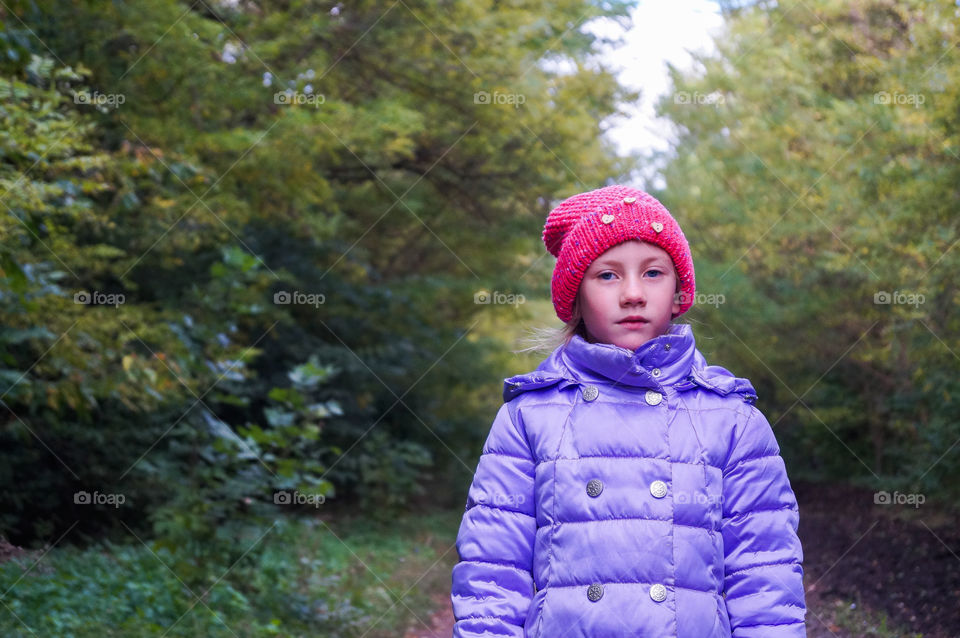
point(583, 226)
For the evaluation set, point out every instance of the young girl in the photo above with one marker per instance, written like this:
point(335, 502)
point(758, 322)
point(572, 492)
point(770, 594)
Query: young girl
point(626, 487)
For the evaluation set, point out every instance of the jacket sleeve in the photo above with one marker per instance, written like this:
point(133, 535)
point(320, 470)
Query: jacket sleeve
point(763, 576)
point(492, 584)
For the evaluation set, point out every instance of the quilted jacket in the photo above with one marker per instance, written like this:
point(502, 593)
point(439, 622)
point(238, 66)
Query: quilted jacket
point(629, 493)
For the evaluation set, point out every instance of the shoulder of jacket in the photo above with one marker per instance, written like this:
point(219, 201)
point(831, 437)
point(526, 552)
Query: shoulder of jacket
point(531, 382)
point(721, 382)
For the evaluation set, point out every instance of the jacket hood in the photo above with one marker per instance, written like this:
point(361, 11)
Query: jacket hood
point(671, 359)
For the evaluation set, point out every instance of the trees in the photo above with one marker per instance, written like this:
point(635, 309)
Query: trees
point(296, 202)
point(816, 167)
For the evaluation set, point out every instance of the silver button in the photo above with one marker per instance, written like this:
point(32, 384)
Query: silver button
point(653, 397)
point(658, 489)
point(655, 372)
point(666, 346)
point(658, 593)
point(594, 487)
point(590, 392)
point(595, 592)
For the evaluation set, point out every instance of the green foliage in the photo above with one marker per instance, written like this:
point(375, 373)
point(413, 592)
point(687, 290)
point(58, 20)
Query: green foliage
point(191, 169)
point(816, 169)
point(290, 578)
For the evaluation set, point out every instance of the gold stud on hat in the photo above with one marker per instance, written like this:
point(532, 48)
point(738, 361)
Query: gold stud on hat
point(657, 226)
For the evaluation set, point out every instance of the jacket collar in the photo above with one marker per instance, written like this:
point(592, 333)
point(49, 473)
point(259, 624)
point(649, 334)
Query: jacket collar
point(661, 361)
point(675, 354)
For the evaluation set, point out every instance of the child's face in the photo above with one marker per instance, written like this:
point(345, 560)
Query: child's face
point(631, 279)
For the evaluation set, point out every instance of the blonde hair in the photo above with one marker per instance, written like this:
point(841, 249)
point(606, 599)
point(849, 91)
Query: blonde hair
point(546, 339)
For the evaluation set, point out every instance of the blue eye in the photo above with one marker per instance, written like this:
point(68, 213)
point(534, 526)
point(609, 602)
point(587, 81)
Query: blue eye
point(601, 275)
point(655, 270)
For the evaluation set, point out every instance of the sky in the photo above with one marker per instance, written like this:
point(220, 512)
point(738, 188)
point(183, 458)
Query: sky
point(662, 31)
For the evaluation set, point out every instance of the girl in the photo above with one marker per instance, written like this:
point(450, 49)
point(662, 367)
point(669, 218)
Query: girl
point(627, 488)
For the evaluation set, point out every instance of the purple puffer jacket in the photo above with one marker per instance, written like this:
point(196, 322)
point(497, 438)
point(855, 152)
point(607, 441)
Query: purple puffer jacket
point(629, 493)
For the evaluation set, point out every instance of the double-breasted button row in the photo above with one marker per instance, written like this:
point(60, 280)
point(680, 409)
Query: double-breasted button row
point(658, 488)
point(658, 592)
point(652, 397)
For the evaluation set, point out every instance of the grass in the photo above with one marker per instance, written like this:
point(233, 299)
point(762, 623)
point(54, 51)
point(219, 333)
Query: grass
point(305, 577)
point(842, 617)
point(860, 622)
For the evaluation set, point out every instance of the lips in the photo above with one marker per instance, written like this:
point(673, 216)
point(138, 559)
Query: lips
point(633, 323)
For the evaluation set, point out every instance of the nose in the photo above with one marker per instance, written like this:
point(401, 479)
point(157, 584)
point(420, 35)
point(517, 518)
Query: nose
point(632, 292)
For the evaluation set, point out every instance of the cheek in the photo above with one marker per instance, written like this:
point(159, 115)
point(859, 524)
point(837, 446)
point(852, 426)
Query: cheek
point(588, 301)
point(593, 295)
point(584, 298)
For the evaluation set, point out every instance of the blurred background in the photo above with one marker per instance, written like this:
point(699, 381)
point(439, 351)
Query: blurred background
point(266, 264)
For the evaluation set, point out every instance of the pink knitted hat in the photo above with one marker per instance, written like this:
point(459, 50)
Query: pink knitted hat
point(582, 227)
